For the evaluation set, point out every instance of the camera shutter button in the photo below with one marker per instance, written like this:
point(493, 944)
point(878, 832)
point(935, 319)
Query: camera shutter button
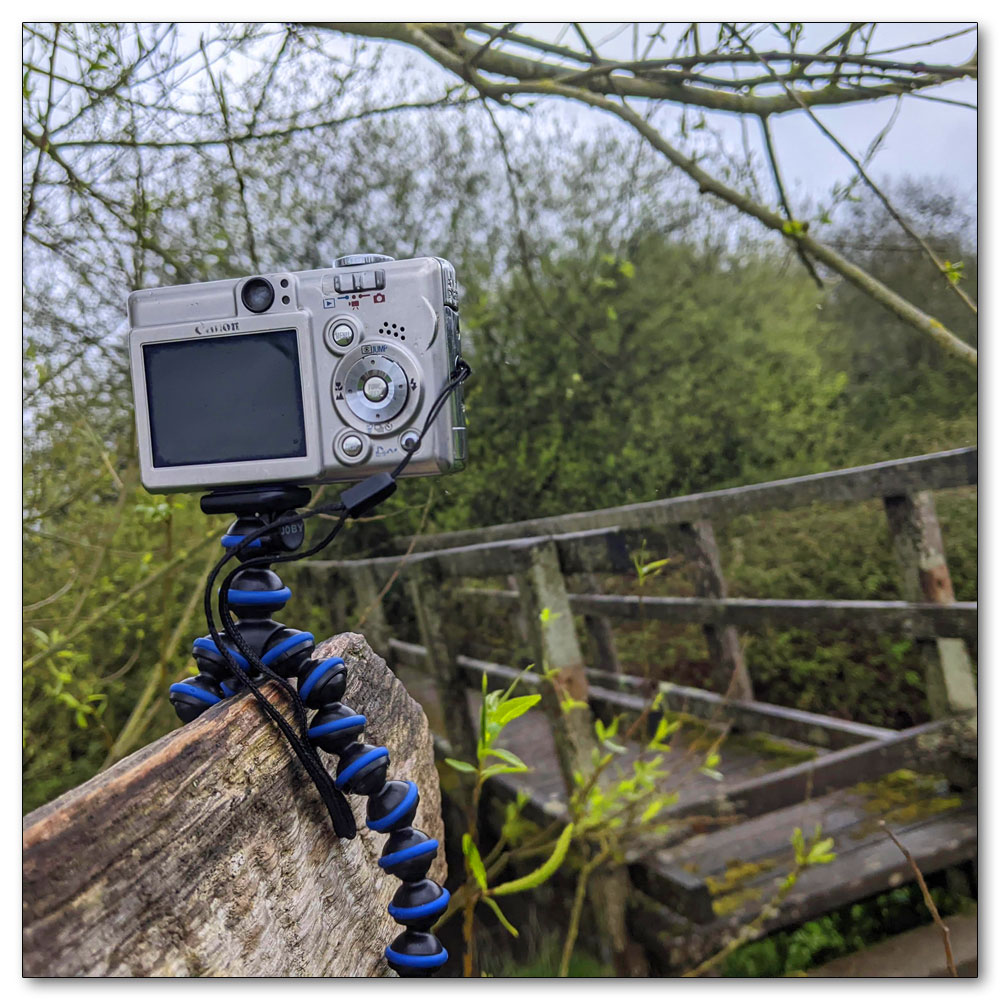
point(360, 259)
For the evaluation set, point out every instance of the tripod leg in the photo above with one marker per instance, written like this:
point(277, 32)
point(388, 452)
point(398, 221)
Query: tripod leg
point(392, 806)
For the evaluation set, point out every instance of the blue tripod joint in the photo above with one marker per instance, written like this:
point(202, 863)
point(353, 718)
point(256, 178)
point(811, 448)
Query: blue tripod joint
point(393, 806)
point(362, 769)
point(418, 905)
point(408, 854)
point(415, 953)
point(270, 600)
point(322, 683)
point(192, 697)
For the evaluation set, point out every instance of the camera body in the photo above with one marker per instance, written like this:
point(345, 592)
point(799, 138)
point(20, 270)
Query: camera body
point(299, 377)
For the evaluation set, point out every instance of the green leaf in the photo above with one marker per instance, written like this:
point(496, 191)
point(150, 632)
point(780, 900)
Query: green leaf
point(507, 756)
point(460, 765)
point(534, 879)
point(482, 713)
point(664, 728)
point(819, 853)
point(799, 845)
point(495, 907)
point(515, 707)
point(476, 866)
point(651, 810)
point(495, 769)
point(651, 568)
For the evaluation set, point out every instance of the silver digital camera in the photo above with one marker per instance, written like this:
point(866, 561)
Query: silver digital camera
point(300, 377)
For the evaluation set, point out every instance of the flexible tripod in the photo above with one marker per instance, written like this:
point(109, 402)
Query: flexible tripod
point(255, 592)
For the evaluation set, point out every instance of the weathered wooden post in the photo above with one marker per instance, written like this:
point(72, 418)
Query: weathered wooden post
point(546, 602)
point(601, 632)
point(209, 852)
point(919, 547)
point(724, 650)
point(557, 648)
point(428, 594)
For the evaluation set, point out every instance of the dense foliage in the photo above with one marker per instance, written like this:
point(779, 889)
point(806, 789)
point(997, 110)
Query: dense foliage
point(628, 343)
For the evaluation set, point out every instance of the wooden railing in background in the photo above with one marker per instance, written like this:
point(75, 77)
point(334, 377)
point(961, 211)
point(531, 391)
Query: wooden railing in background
point(540, 554)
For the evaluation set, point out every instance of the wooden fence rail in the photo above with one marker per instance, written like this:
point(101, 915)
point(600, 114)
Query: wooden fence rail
point(922, 619)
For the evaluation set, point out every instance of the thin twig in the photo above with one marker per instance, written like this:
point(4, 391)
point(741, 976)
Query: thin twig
point(402, 562)
point(136, 723)
point(783, 196)
point(578, 900)
point(859, 167)
point(943, 927)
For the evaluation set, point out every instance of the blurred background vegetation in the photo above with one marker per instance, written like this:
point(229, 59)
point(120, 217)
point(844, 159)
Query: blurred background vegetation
point(630, 340)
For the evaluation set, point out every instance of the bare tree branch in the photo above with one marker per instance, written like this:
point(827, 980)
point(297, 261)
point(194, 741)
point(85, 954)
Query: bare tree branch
point(449, 47)
point(863, 174)
point(642, 80)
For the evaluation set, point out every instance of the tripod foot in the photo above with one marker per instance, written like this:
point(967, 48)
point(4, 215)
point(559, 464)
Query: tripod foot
point(193, 696)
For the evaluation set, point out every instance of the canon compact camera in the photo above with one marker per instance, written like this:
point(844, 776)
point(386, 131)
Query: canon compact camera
point(300, 377)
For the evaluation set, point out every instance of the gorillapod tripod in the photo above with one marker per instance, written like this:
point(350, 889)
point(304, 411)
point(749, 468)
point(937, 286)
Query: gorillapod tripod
point(256, 648)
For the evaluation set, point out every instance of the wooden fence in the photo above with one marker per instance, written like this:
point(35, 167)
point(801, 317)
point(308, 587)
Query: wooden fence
point(541, 554)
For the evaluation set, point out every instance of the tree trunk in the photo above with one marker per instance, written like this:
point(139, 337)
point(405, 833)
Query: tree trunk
point(209, 852)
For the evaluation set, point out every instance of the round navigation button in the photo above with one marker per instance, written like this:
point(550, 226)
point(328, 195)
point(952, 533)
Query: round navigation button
point(374, 389)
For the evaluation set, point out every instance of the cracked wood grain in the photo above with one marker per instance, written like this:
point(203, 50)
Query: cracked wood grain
point(209, 852)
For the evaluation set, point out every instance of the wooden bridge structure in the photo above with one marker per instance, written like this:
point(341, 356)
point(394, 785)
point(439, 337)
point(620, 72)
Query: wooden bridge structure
point(782, 767)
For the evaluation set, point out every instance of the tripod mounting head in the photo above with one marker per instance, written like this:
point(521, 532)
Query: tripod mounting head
point(255, 500)
point(256, 507)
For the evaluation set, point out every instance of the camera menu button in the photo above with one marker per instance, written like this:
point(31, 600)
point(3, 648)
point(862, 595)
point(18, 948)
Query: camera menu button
point(341, 333)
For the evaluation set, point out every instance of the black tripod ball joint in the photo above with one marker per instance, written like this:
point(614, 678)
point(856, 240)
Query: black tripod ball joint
point(256, 593)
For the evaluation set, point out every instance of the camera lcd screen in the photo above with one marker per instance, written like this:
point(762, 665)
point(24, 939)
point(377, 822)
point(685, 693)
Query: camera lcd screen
point(225, 399)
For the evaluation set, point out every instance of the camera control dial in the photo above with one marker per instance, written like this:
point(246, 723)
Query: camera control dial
point(376, 389)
